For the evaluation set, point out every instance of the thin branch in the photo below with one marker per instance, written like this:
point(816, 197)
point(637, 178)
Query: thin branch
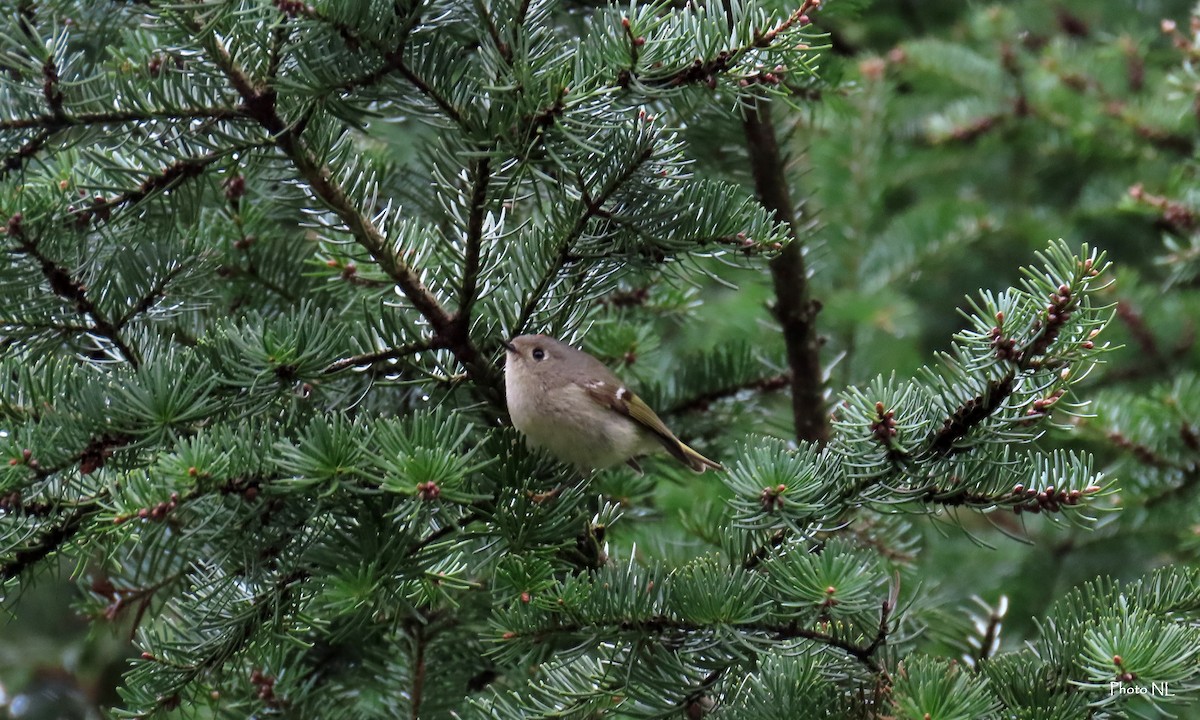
point(418, 673)
point(701, 402)
point(443, 531)
point(757, 557)
point(49, 541)
point(393, 62)
point(706, 70)
point(260, 105)
point(593, 207)
point(1136, 323)
point(55, 123)
point(24, 153)
point(662, 624)
point(268, 606)
point(187, 168)
point(251, 273)
point(152, 296)
point(67, 287)
point(795, 309)
point(471, 260)
point(494, 32)
point(971, 414)
point(371, 358)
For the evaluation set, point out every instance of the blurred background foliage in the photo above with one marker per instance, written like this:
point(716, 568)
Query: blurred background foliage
point(944, 144)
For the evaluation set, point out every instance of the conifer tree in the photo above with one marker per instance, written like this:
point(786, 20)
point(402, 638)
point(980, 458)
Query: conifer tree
point(260, 259)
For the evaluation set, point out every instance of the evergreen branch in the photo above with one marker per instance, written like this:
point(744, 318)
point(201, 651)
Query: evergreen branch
point(177, 172)
point(471, 260)
point(663, 624)
point(90, 458)
point(24, 153)
point(1136, 324)
point(701, 402)
point(51, 89)
point(152, 296)
point(267, 606)
point(990, 633)
point(971, 414)
point(49, 541)
point(861, 537)
point(1117, 107)
point(1191, 480)
point(1140, 452)
point(764, 551)
point(120, 600)
point(279, 38)
point(705, 71)
point(251, 272)
point(522, 12)
point(417, 690)
point(592, 208)
point(64, 285)
point(56, 123)
point(493, 32)
point(393, 61)
point(443, 531)
point(260, 104)
point(795, 309)
point(371, 358)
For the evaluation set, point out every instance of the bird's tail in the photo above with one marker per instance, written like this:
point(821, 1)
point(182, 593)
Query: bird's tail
point(691, 458)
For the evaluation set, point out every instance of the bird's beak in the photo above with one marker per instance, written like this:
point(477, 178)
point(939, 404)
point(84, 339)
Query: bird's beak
point(508, 346)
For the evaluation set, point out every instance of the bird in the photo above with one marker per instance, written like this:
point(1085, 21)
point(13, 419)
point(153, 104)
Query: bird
point(567, 402)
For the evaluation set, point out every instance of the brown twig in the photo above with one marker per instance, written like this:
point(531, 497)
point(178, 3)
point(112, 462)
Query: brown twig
point(971, 414)
point(378, 356)
point(27, 150)
point(592, 207)
point(260, 105)
point(55, 123)
point(418, 673)
point(69, 288)
point(757, 557)
point(393, 62)
point(795, 309)
point(49, 541)
point(662, 624)
point(701, 402)
point(705, 70)
point(471, 256)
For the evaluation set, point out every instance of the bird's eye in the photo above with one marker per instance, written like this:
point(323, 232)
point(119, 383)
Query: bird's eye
point(539, 354)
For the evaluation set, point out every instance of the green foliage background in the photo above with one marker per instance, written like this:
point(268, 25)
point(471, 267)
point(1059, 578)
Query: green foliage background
point(940, 146)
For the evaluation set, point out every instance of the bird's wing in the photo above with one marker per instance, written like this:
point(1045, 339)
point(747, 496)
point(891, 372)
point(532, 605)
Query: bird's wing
point(623, 400)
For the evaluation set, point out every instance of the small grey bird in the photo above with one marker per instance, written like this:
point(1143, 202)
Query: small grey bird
point(569, 403)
